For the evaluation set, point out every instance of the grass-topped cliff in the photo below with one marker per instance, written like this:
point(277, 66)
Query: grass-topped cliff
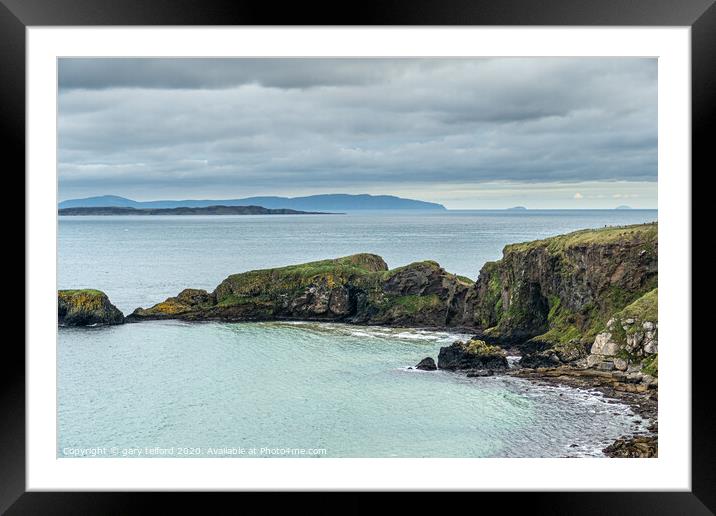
point(559, 292)
point(358, 288)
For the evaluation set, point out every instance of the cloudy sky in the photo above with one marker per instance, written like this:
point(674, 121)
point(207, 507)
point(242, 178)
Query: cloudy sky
point(468, 133)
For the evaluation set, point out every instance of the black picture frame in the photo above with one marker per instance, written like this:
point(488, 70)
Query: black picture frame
point(700, 15)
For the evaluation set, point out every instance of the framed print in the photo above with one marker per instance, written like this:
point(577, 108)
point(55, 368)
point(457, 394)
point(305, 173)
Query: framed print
point(413, 250)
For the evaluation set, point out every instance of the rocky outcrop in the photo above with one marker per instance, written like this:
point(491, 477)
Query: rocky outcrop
point(550, 298)
point(86, 308)
point(358, 289)
point(426, 364)
point(642, 447)
point(630, 340)
point(474, 354)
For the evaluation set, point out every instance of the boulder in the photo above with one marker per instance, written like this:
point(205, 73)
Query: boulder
point(604, 345)
point(620, 364)
point(474, 354)
point(546, 358)
point(426, 364)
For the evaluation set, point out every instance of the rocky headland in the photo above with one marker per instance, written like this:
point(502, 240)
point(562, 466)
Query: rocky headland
point(357, 289)
point(580, 309)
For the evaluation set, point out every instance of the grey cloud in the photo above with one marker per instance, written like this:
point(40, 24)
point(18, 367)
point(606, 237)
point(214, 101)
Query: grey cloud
point(272, 126)
point(218, 73)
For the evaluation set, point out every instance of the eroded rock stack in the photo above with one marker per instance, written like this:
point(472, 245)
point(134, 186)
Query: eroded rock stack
point(86, 307)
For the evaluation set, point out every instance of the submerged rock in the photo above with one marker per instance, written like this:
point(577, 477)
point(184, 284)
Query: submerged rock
point(86, 307)
point(427, 364)
point(478, 373)
point(474, 354)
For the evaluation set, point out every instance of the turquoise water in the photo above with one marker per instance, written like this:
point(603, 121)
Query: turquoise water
point(215, 389)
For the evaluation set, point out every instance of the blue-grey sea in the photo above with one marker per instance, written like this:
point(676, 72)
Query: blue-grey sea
point(177, 389)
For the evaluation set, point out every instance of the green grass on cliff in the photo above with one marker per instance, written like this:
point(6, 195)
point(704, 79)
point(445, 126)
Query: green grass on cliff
point(489, 311)
point(294, 277)
point(647, 233)
point(646, 308)
point(563, 324)
point(354, 264)
point(85, 291)
point(428, 264)
point(414, 304)
point(86, 300)
point(568, 327)
point(643, 309)
point(464, 279)
point(482, 348)
point(650, 365)
point(359, 263)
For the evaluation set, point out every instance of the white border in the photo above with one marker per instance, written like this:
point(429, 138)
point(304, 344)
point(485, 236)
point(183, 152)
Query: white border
point(670, 471)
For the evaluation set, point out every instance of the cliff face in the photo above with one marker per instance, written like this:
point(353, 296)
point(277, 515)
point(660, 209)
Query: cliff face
point(559, 292)
point(86, 308)
point(357, 289)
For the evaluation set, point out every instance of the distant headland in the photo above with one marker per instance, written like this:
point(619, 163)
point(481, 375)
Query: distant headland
point(323, 202)
point(208, 210)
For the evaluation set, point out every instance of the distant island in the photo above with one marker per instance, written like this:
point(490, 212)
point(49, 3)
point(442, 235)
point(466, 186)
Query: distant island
point(208, 210)
point(516, 208)
point(323, 202)
point(623, 207)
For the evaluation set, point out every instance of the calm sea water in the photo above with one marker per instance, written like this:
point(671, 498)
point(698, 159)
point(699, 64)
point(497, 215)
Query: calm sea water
point(214, 387)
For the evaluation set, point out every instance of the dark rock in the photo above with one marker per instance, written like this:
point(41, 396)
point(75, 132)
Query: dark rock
point(634, 447)
point(86, 307)
point(547, 358)
point(474, 354)
point(426, 364)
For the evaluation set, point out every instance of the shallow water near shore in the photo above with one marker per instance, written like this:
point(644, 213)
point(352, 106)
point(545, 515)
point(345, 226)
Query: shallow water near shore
point(346, 390)
point(212, 389)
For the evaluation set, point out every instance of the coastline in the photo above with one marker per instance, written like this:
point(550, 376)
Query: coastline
point(644, 404)
point(580, 309)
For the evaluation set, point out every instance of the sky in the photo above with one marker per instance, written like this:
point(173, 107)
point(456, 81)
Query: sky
point(469, 133)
